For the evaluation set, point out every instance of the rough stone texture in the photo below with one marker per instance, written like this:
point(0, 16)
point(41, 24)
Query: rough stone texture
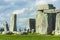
point(51, 23)
point(57, 28)
point(52, 11)
point(45, 6)
point(57, 10)
point(48, 19)
point(13, 23)
point(32, 25)
point(41, 23)
point(6, 26)
point(49, 11)
point(45, 22)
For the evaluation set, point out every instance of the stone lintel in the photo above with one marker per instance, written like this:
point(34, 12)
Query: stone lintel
point(52, 11)
point(45, 6)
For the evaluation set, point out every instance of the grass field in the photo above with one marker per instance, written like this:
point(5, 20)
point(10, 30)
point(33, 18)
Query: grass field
point(29, 37)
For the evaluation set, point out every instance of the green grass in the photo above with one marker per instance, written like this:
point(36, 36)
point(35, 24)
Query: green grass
point(29, 37)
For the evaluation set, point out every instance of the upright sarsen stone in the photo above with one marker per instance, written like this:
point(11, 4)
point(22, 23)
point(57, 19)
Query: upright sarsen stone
point(13, 23)
point(5, 26)
point(51, 22)
point(32, 26)
point(41, 23)
point(45, 19)
point(45, 22)
point(57, 27)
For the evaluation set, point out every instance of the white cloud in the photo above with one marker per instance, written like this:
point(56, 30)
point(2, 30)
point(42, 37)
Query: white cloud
point(22, 19)
point(14, 0)
point(33, 15)
point(41, 2)
point(54, 0)
point(8, 0)
point(1, 7)
point(38, 2)
point(31, 8)
point(19, 11)
point(2, 17)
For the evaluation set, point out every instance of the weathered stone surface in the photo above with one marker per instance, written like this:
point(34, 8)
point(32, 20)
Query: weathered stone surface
point(51, 23)
point(57, 28)
point(57, 10)
point(49, 11)
point(45, 6)
point(41, 23)
point(6, 26)
point(13, 23)
point(45, 23)
point(52, 11)
point(32, 24)
point(48, 20)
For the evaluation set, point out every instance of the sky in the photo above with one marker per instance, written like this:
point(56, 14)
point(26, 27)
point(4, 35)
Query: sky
point(25, 9)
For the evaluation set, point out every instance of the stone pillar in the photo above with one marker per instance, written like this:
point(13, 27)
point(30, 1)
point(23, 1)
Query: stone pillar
point(6, 26)
point(13, 23)
point(57, 27)
point(41, 23)
point(45, 22)
point(45, 19)
point(32, 25)
point(51, 22)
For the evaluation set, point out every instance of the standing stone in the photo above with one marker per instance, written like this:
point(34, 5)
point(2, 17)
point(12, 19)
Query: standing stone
point(45, 6)
point(41, 23)
point(45, 22)
point(45, 19)
point(13, 23)
point(51, 22)
point(32, 24)
point(57, 28)
point(5, 26)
